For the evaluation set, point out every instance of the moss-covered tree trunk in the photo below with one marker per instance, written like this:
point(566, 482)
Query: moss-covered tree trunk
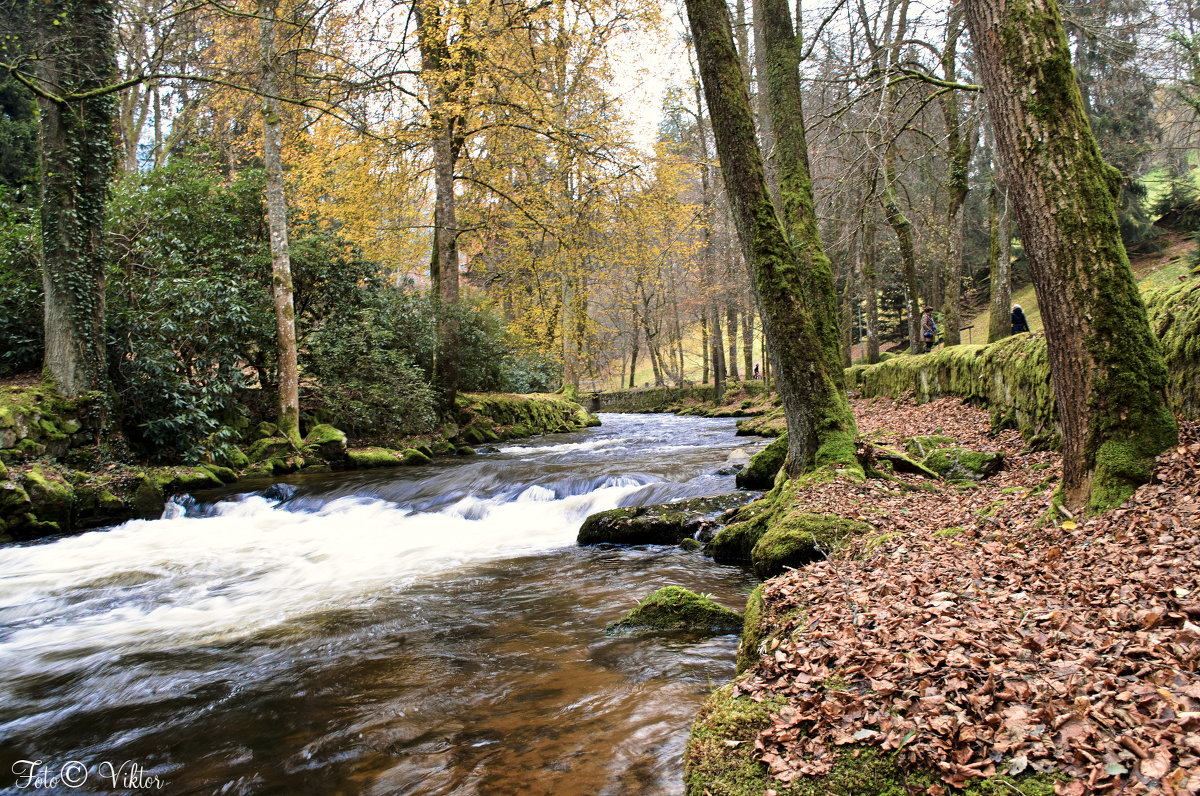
point(792, 278)
point(961, 137)
point(77, 64)
point(870, 279)
point(1000, 261)
point(1108, 372)
point(281, 267)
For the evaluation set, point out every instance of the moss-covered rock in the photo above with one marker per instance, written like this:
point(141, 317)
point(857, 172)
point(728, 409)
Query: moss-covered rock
point(769, 424)
point(760, 471)
point(51, 496)
point(14, 500)
point(677, 608)
point(326, 442)
point(798, 538)
point(148, 497)
point(753, 631)
point(664, 523)
point(920, 447)
point(719, 759)
point(413, 457)
point(269, 448)
point(961, 464)
point(365, 458)
point(225, 474)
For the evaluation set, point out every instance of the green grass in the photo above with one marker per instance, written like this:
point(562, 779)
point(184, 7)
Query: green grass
point(1153, 270)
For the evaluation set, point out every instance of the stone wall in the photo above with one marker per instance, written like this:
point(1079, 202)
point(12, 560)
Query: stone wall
point(1012, 377)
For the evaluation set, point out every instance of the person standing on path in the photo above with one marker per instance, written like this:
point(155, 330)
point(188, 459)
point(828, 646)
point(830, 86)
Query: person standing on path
point(928, 328)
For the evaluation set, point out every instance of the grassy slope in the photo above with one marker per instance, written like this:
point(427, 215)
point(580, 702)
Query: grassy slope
point(1154, 270)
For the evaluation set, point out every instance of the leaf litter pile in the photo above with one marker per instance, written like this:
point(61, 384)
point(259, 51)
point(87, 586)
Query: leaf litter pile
point(974, 638)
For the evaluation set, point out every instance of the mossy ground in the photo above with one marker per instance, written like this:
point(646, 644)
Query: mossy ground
point(720, 761)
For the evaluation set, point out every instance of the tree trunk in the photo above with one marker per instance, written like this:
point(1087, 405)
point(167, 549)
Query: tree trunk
point(718, 352)
point(1107, 368)
point(281, 267)
point(908, 259)
point(960, 146)
point(633, 356)
point(791, 274)
point(704, 345)
point(871, 289)
point(1000, 259)
point(444, 79)
point(762, 103)
point(748, 336)
point(731, 324)
point(849, 300)
point(77, 148)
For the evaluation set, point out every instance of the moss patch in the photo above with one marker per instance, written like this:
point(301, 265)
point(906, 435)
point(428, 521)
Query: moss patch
point(798, 538)
point(719, 759)
point(760, 471)
point(677, 608)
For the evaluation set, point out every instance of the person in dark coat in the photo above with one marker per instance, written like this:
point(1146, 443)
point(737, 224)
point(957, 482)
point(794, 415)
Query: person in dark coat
point(928, 328)
point(1019, 324)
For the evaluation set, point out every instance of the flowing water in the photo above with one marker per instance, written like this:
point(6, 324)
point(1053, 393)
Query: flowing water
point(429, 630)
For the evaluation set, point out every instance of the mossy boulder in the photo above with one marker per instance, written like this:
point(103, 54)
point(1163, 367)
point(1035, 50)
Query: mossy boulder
point(770, 423)
point(186, 479)
point(719, 759)
point(753, 631)
point(14, 500)
point(800, 538)
point(225, 474)
point(961, 464)
point(269, 448)
point(51, 496)
point(366, 458)
point(664, 523)
point(3, 471)
point(412, 457)
point(148, 497)
point(920, 447)
point(97, 504)
point(677, 608)
point(760, 471)
point(326, 442)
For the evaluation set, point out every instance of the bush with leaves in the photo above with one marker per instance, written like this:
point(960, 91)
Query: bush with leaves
point(365, 372)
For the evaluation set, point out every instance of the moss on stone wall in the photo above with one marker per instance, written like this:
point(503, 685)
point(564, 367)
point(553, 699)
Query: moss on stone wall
point(1012, 375)
point(1175, 318)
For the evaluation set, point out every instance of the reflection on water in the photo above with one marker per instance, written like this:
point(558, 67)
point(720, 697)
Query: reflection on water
point(429, 630)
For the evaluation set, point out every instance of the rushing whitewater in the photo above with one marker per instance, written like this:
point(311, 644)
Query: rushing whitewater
point(139, 642)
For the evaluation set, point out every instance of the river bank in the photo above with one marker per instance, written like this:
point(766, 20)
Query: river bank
point(57, 475)
point(968, 639)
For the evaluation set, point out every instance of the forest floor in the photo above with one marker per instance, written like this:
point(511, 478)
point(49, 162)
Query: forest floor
point(977, 633)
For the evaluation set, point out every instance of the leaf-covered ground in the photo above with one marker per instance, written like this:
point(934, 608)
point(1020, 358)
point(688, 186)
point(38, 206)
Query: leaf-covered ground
point(978, 638)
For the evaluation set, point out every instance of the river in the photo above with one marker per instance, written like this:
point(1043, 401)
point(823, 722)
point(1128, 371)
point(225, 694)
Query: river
point(430, 630)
